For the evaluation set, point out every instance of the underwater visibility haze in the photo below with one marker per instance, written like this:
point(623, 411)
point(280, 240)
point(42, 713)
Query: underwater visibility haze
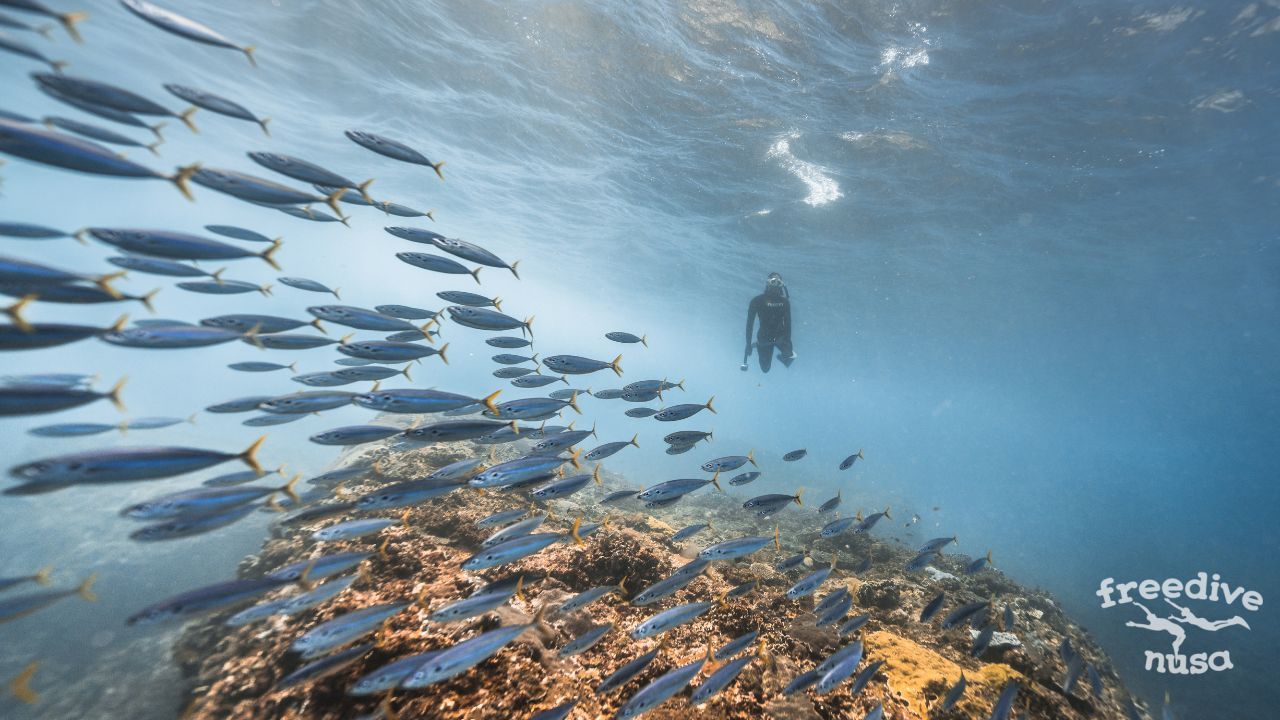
point(1031, 258)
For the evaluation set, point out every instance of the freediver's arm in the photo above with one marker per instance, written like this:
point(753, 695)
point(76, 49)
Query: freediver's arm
point(751, 321)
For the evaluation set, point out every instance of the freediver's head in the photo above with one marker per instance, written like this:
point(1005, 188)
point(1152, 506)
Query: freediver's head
point(774, 285)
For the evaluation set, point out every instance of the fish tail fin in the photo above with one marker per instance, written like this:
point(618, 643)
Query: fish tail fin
point(616, 366)
point(431, 214)
point(363, 189)
point(248, 52)
point(250, 456)
point(80, 235)
point(796, 497)
point(45, 31)
point(988, 557)
point(332, 201)
point(265, 290)
point(886, 512)
point(335, 293)
point(58, 65)
point(68, 22)
point(104, 284)
point(155, 130)
point(405, 373)
point(252, 336)
point(860, 454)
point(536, 364)
point(262, 123)
point(527, 325)
point(709, 406)
point(14, 312)
point(346, 338)
point(436, 167)
point(119, 324)
point(488, 402)
point(564, 379)
point(777, 536)
point(186, 115)
point(512, 268)
point(715, 480)
point(269, 254)
point(644, 340)
point(634, 438)
point(573, 532)
point(519, 593)
point(573, 458)
point(475, 274)
point(85, 590)
point(217, 275)
point(497, 303)
point(114, 393)
point(153, 147)
point(595, 475)
point(317, 325)
point(304, 577)
point(20, 685)
point(146, 300)
point(42, 575)
point(573, 402)
point(441, 353)
point(290, 488)
point(182, 177)
point(272, 505)
point(751, 458)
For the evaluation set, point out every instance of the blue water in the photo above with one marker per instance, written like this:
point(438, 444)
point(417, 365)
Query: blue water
point(1031, 248)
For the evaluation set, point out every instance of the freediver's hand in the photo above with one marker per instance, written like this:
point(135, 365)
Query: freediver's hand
point(743, 367)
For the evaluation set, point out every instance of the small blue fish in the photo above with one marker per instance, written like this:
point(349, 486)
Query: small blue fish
point(585, 641)
point(20, 606)
point(932, 608)
point(963, 613)
point(728, 463)
point(681, 412)
point(393, 149)
point(669, 619)
point(737, 645)
point(642, 412)
point(626, 337)
point(740, 547)
point(978, 565)
point(390, 675)
point(801, 682)
point(624, 674)
point(661, 689)
point(176, 24)
point(849, 461)
point(853, 625)
point(953, 695)
point(467, 654)
point(721, 678)
point(689, 531)
point(795, 455)
point(577, 365)
point(344, 629)
point(831, 504)
point(435, 263)
point(1004, 704)
point(353, 529)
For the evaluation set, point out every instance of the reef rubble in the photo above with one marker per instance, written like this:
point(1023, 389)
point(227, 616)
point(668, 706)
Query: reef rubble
point(233, 672)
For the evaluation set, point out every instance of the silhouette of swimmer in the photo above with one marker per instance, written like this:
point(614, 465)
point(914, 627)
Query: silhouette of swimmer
point(1155, 622)
point(1189, 618)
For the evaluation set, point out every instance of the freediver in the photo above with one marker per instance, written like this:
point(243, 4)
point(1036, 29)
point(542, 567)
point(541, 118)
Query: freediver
point(773, 307)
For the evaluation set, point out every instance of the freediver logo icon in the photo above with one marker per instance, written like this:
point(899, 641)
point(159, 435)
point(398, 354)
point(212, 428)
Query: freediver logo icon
point(1172, 592)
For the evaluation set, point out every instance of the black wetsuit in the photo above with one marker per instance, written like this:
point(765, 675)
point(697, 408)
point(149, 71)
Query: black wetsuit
point(774, 310)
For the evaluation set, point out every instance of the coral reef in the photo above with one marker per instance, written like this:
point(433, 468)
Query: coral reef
point(234, 671)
